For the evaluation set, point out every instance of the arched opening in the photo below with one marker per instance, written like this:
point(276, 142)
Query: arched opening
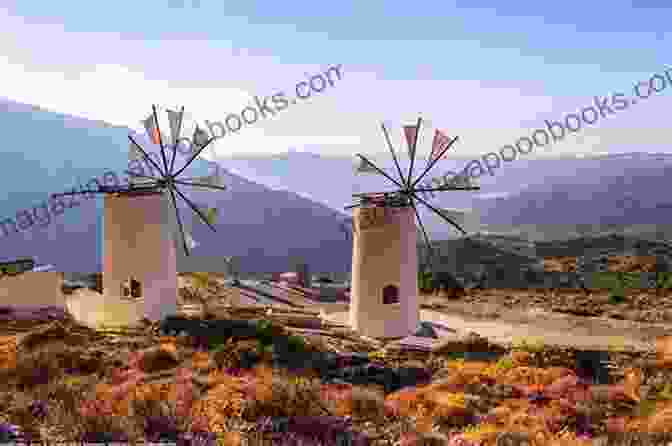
point(390, 294)
point(131, 289)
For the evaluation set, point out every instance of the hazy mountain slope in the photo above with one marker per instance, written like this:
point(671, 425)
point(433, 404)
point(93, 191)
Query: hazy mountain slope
point(621, 189)
point(261, 226)
point(623, 196)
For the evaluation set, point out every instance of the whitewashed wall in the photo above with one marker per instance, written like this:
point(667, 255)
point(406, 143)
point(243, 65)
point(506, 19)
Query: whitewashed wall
point(32, 289)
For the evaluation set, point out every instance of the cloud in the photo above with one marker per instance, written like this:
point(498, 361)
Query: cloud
point(103, 76)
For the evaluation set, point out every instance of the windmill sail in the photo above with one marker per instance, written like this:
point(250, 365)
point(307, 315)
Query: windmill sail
point(364, 166)
point(174, 124)
point(410, 133)
point(206, 183)
point(185, 233)
point(199, 139)
point(191, 243)
point(468, 219)
point(440, 141)
point(153, 130)
point(209, 212)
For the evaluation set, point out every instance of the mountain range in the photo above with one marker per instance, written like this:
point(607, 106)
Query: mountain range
point(544, 198)
point(291, 205)
point(47, 153)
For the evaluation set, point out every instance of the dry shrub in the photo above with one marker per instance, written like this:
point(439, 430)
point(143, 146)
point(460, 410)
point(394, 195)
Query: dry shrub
point(202, 361)
point(224, 399)
point(316, 343)
point(367, 403)
point(20, 414)
point(276, 396)
point(68, 391)
point(425, 404)
point(35, 368)
point(663, 351)
point(660, 421)
point(65, 421)
point(217, 405)
point(526, 376)
point(228, 355)
point(154, 416)
point(540, 423)
point(8, 345)
point(47, 363)
point(403, 402)
point(632, 382)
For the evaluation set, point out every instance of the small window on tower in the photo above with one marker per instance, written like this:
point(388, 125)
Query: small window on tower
point(131, 289)
point(390, 294)
point(136, 289)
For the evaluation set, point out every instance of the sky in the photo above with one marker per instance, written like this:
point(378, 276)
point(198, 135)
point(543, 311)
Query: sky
point(486, 71)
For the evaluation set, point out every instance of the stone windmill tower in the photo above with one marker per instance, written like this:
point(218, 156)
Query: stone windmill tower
point(139, 265)
point(384, 289)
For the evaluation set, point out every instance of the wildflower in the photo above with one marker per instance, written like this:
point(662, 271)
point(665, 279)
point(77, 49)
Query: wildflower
point(161, 428)
point(9, 432)
point(38, 409)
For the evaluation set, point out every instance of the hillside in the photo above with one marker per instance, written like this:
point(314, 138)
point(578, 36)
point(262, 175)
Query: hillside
point(263, 227)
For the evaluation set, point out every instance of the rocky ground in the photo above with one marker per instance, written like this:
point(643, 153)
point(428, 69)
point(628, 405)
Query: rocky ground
point(635, 305)
point(317, 380)
point(614, 263)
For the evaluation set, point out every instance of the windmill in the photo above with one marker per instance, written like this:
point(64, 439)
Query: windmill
point(384, 259)
point(138, 243)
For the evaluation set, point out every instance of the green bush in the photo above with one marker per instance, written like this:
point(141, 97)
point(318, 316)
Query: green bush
point(663, 280)
point(425, 281)
point(504, 363)
point(296, 344)
point(616, 283)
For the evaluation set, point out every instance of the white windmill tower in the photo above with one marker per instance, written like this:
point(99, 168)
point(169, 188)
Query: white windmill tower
point(139, 265)
point(384, 293)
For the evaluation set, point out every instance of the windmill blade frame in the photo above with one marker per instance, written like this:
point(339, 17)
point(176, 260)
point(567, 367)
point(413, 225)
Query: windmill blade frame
point(440, 214)
point(163, 154)
point(380, 171)
point(413, 152)
point(394, 155)
point(204, 185)
point(179, 222)
point(436, 160)
point(167, 179)
point(430, 253)
point(147, 157)
point(176, 138)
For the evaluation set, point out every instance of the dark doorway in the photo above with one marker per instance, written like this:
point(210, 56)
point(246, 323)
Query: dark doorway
point(390, 295)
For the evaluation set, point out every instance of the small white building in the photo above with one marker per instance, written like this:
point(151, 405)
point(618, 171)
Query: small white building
point(32, 289)
point(384, 293)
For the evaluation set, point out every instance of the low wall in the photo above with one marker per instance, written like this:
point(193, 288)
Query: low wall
point(32, 289)
point(95, 310)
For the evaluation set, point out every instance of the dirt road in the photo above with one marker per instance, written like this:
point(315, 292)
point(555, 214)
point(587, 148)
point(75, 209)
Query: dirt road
point(504, 326)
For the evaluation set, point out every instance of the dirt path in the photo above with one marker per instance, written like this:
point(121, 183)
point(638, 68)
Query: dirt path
point(504, 326)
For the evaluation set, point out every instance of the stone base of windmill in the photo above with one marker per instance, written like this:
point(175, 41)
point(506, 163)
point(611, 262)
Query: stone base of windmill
point(98, 310)
point(388, 322)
